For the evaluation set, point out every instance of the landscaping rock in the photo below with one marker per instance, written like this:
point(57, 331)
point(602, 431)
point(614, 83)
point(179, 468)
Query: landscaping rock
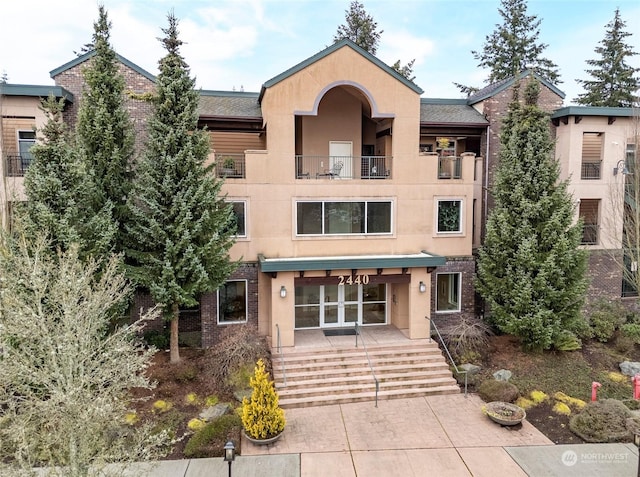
point(502, 375)
point(471, 369)
point(242, 393)
point(212, 413)
point(630, 368)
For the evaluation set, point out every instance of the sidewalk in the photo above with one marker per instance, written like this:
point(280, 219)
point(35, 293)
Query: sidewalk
point(443, 436)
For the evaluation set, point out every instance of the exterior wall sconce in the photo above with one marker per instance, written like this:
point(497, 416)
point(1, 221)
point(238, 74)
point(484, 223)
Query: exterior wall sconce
point(422, 287)
point(622, 168)
point(283, 292)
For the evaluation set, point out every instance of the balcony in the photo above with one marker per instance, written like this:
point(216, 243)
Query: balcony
point(343, 167)
point(449, 167)
point(232, 166)
point(16, 165)
point(590, 170)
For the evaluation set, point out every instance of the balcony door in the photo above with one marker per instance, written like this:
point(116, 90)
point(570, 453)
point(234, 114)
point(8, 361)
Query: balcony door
point(340, 158)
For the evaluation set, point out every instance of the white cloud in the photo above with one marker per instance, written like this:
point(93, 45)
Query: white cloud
point(404, 46)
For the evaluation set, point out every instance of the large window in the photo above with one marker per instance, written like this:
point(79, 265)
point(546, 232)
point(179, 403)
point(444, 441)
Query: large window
point(332, 217)
point(239, 212)
point(449, 216)
point(448, 292)
point(589, 212)
point(232, 302)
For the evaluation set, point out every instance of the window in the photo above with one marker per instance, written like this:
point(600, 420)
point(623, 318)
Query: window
point(239, 211)
point(333, 218)
point(232, 302)
point(589, 212)
point(26, 140)
point(448, 292)
point(449, 216)
point(591, 155)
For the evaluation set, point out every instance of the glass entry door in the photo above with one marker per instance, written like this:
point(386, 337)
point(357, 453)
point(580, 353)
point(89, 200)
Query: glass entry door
point(340, 306)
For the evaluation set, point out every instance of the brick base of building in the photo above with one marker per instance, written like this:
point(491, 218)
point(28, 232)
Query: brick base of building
point(202, 320)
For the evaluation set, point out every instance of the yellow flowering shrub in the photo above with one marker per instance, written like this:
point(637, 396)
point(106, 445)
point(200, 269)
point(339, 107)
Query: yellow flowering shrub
point(196, 424)
point(525, 403)
point(539, 397)
point(162, 406)
point(570, 401)
point(192, 399)
point(561, 408)
point(262, 417)
point(211, 401)
point(131, 418)
point(617, 377)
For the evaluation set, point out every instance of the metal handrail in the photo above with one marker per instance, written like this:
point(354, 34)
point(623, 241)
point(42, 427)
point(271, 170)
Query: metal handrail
point(364, 345)
point(458, 371)
point(279, 348)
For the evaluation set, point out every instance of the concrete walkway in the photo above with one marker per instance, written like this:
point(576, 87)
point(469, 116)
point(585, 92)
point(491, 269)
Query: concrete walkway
point(444, 436)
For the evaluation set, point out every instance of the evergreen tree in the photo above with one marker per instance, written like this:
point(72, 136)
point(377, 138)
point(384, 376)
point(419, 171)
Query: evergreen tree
point(66, 375)
point(614, 82)
point(59, 188)
point(514, 47)
point(104, 129)
point(360, 28)
point(530, 269)
point(182, 229)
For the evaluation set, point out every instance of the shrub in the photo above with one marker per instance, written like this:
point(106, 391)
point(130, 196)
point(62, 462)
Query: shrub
point(185, 373)
point(210, 439)
point(632, 404)
point(157, 338)
point(567, 341)
point(525, 403)
point(570, 401)
point(606, 316)
point(494, 390)
point(539, 396)
point(617, 377)
point(561, 408)
point(192, 399)
point(162, 406)
point(239, 346)
point(602, 421)
point(467, 338)
point(211, 401)
point(196, 424)
point(262, 417)
point(631, 331)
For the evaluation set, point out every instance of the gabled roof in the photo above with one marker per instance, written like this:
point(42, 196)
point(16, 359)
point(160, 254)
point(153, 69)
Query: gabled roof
point(229, 104)
point(86, 56)
point(326, 52)
point(450, 112)
point(593, 111)
point(495, 88)
point(38, 91)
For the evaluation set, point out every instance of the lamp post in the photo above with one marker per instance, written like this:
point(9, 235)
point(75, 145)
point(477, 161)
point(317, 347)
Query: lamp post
point(229, 454)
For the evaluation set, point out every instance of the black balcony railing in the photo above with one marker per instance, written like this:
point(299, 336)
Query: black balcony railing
point(343, 167)
point(590, 170)
point(16, 165)
point(590, 234)
point(231, 166)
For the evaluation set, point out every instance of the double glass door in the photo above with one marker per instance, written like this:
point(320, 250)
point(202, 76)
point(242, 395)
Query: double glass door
point(340, 306)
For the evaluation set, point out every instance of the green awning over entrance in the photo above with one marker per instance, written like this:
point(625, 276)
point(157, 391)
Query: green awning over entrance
point(292, 264)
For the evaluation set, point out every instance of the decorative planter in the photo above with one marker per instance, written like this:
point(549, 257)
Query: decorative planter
point(261, 442)
point(504, 413)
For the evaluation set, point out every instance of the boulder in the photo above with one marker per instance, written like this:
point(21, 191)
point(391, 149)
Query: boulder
point(471, 369)
point(213, 412)
point(502, 375)
point(630, 368)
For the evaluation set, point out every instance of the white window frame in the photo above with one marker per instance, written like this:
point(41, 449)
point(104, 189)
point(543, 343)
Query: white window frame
point(246, 304)
point(246, 214)
point(450, 292)
point(366, 201)
point(460, 230)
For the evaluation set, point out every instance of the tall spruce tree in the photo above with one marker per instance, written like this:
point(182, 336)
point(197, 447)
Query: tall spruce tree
point(614, 82)
point(530, 269)
point(182, 228)
point(104, 130)
point(59, 188)
point(513, 47)
point(360, 28)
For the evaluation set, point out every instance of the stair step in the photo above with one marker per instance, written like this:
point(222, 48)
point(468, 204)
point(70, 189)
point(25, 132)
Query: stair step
point(309, 380)
point(363, 370)
point(366, 396)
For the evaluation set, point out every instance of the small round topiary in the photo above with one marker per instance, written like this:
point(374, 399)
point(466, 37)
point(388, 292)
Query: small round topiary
point(494, 390)
point(603, 421)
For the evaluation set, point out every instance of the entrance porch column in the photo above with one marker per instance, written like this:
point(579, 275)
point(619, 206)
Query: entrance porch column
point(282, 309)
point(419, 304)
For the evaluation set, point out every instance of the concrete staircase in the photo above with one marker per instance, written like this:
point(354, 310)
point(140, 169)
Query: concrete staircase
point(335, 376)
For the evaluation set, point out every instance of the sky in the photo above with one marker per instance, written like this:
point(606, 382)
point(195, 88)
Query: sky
point(241, 44)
